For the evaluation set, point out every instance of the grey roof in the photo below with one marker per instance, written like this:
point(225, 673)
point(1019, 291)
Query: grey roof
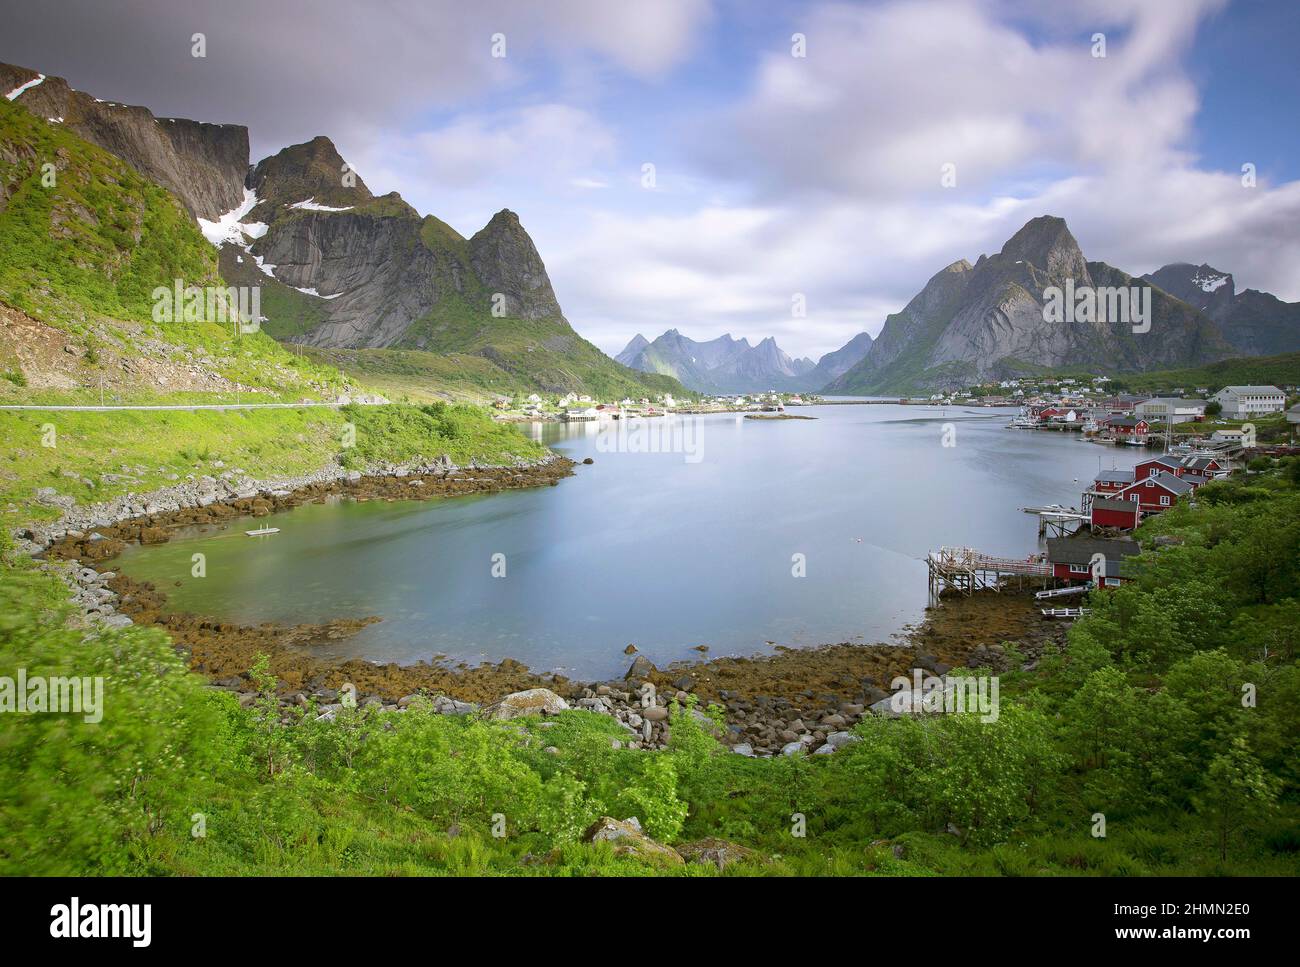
point(1126, 421)
point(1169, 481)
point(1116, 476)
point(1198, 463)
point(1166, 460)
point(1253, 389)
point(1079, 550)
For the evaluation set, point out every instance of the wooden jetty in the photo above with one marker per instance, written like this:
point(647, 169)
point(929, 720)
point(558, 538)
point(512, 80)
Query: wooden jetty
point(1056, 521)
point(967, 570)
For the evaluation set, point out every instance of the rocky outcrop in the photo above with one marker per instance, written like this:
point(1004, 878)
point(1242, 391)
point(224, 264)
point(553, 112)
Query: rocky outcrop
point(204, 165)
point(629, 842)
point(532, 701)
point(988, 320)
point(505, 261)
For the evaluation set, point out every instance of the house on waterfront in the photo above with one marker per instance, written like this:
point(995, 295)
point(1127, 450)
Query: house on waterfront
point(1168, 409)
point(1071, 557)
point(1243, 402)
point(1112, 512)
point(1113, 481)
point(1166, 463)
point(1129, 429)
point(1157, 492)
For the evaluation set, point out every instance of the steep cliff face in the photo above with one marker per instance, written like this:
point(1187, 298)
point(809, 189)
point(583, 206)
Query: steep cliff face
point(505, 261)
point(1254, 323)
point(989, 320)
point(204, 165)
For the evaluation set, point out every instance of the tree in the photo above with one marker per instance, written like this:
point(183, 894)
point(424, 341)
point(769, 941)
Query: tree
point(1236, 791)
point(1213, 408)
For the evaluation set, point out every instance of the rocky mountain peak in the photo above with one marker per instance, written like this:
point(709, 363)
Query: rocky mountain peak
point(505, 260)
point(1045, 242)
point(309, 174)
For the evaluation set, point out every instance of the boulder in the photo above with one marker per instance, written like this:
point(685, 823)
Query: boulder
point(719, 852)
point(642, 667)
point(627, 840)
point(532, 701)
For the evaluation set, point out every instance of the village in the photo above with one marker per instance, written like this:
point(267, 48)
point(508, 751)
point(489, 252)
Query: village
point(1085, 546)
point(575, 408)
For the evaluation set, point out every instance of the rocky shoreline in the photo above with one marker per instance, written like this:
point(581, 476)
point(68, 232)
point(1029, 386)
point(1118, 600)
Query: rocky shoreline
point(796, 700)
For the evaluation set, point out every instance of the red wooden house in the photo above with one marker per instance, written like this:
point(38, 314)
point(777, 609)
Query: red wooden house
point(1112, 512)
point(1113, 481)
point(1128, 428)
point(1157, 492)
point(1207, 468)
point(1165, 464)
point(1072, 557)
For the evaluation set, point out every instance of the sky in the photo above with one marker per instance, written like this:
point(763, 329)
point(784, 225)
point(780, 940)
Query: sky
point(709, 165)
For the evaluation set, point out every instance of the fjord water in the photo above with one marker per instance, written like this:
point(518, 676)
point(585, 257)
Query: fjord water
point(666, 550)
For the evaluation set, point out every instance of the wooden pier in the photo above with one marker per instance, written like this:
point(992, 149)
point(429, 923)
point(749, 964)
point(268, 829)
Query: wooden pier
point(1055, 521)
point(966, 570)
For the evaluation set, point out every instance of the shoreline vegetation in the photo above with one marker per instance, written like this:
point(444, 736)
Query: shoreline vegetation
point(1136, 714)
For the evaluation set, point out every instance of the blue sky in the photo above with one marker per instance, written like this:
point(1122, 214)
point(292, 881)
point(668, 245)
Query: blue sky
point(775, 175)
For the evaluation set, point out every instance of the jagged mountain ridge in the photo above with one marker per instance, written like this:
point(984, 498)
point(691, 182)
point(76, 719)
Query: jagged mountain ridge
point(338, 266)
point(982, 321)
point(1255, 323)
point(730, 365)
point(204, 165)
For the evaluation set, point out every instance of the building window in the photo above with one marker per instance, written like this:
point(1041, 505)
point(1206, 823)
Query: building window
point(1078, 569)
point(1164, 501)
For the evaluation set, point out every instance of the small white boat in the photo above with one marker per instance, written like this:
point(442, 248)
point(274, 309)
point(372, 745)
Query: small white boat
point(262, 531)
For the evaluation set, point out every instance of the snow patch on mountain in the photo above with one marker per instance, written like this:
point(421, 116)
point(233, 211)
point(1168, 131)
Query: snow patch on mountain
point(12, 95)
point(311, 205)
point(1209, 283)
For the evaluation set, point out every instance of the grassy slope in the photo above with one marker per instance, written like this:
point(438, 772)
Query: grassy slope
point(141, 451)
point(1135, 722)
point(1281, 370)
point(86, 254)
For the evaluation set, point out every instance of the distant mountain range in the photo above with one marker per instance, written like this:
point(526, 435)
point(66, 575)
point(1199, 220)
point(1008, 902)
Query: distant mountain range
point(729, 365)
point(986, 321)
point(340, 268)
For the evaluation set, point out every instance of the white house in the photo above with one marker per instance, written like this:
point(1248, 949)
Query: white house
point(1242, 402)
point(1169, 409)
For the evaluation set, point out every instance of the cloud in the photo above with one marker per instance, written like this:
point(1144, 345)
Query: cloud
point(293, 69)
point(889, 94)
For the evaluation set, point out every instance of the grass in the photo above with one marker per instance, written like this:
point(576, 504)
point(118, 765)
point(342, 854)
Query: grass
point(97, 456)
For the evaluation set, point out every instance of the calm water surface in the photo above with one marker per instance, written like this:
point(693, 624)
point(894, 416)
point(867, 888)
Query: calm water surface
point(654, 548)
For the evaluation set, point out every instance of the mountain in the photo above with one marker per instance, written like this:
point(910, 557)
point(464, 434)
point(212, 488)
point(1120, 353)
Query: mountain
point(988, 320)
point(203, 165)
point(729, 365)
point(1254, 323)
point(339, 268)
point(632, 349)
point(838, 362)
